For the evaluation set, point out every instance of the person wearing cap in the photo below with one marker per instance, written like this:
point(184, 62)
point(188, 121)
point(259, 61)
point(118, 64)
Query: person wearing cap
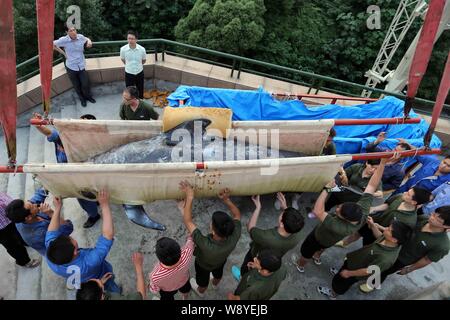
point(348, 219)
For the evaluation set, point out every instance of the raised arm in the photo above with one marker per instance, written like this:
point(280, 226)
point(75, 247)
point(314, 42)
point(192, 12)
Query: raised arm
point(254, 218)
point(319, 205)
point(187, 189)
point(225, 196)
point(377, 230)
point(107, 221)
point(56, 217)
point(401, 140)
point(138, 261)
point(282, 199)
point(42, 129)
point(343, 175)
point(376, 178)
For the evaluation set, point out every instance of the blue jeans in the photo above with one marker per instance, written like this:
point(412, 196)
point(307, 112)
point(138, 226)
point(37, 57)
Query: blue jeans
point(90, 207)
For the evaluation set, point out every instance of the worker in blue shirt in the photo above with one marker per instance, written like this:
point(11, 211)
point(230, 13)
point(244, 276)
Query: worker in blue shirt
point(394, 171)
point(65, 258)
point(32, 219)
point(431, 175)
point(441, 199)
point(53, 136)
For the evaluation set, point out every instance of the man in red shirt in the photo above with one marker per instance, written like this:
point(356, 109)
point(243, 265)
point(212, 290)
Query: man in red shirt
point(171, 274)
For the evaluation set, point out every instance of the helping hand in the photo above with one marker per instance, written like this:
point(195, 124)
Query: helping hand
point(256, 200)
point(103, 197)
point(282, 199)
point(186, 187)
point(137, 258)
point(224, 194)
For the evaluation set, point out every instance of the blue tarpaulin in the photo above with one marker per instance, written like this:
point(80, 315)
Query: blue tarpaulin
point(260, 105)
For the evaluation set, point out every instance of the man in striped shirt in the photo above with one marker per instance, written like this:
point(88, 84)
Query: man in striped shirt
point(171, 274)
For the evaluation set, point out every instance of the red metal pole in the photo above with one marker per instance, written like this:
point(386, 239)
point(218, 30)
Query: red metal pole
point(40, 122)
point(8, 87)
point(45, 10)
point(332, 98)
point(409, 153)
point(7, 169)
point(423, 51)
point(352, 122)
point(444, 88)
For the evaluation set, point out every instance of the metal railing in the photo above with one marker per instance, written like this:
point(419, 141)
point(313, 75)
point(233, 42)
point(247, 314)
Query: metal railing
point(237, 64)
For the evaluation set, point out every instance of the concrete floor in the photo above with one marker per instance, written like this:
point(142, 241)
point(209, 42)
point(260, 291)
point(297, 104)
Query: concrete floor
point(130, 237)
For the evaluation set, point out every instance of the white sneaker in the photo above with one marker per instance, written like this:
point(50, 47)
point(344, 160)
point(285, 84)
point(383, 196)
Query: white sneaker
point(184, 296)
point(295, 199)
point(294, 261)
point(211, 278)
point(334, 271)
point(33, 263)
point(195, 288)
point(326, 291)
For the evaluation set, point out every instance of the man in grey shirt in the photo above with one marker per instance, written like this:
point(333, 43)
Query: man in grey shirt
point(73, 45)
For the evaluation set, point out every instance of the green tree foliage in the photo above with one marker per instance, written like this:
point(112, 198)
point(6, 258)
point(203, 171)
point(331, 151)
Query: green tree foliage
point(293, 37)
point(233, 26)
point(328, 37)
point(351, 48)
point(25, 29)
point(93, 24)
point(151, 18)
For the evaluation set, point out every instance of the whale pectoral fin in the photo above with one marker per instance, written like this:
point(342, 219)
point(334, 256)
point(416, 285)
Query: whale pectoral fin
point(138, 216)
point(189, 126)
point(168, 140)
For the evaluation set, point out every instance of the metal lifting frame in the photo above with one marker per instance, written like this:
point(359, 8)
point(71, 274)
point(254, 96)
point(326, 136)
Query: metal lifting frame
point(406, 13)
point(333, 98)
point(337, 122)
point(363, 156)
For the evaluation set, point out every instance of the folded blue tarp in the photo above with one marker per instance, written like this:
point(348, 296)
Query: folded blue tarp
point(260, 105)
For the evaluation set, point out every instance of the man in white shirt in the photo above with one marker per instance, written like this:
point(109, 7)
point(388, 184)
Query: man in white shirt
point(133, 57)
point(73, 44)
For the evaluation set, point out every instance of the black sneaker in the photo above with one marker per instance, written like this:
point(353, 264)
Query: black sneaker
point(91, 100)
point(91, 221)
point(83, 103)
